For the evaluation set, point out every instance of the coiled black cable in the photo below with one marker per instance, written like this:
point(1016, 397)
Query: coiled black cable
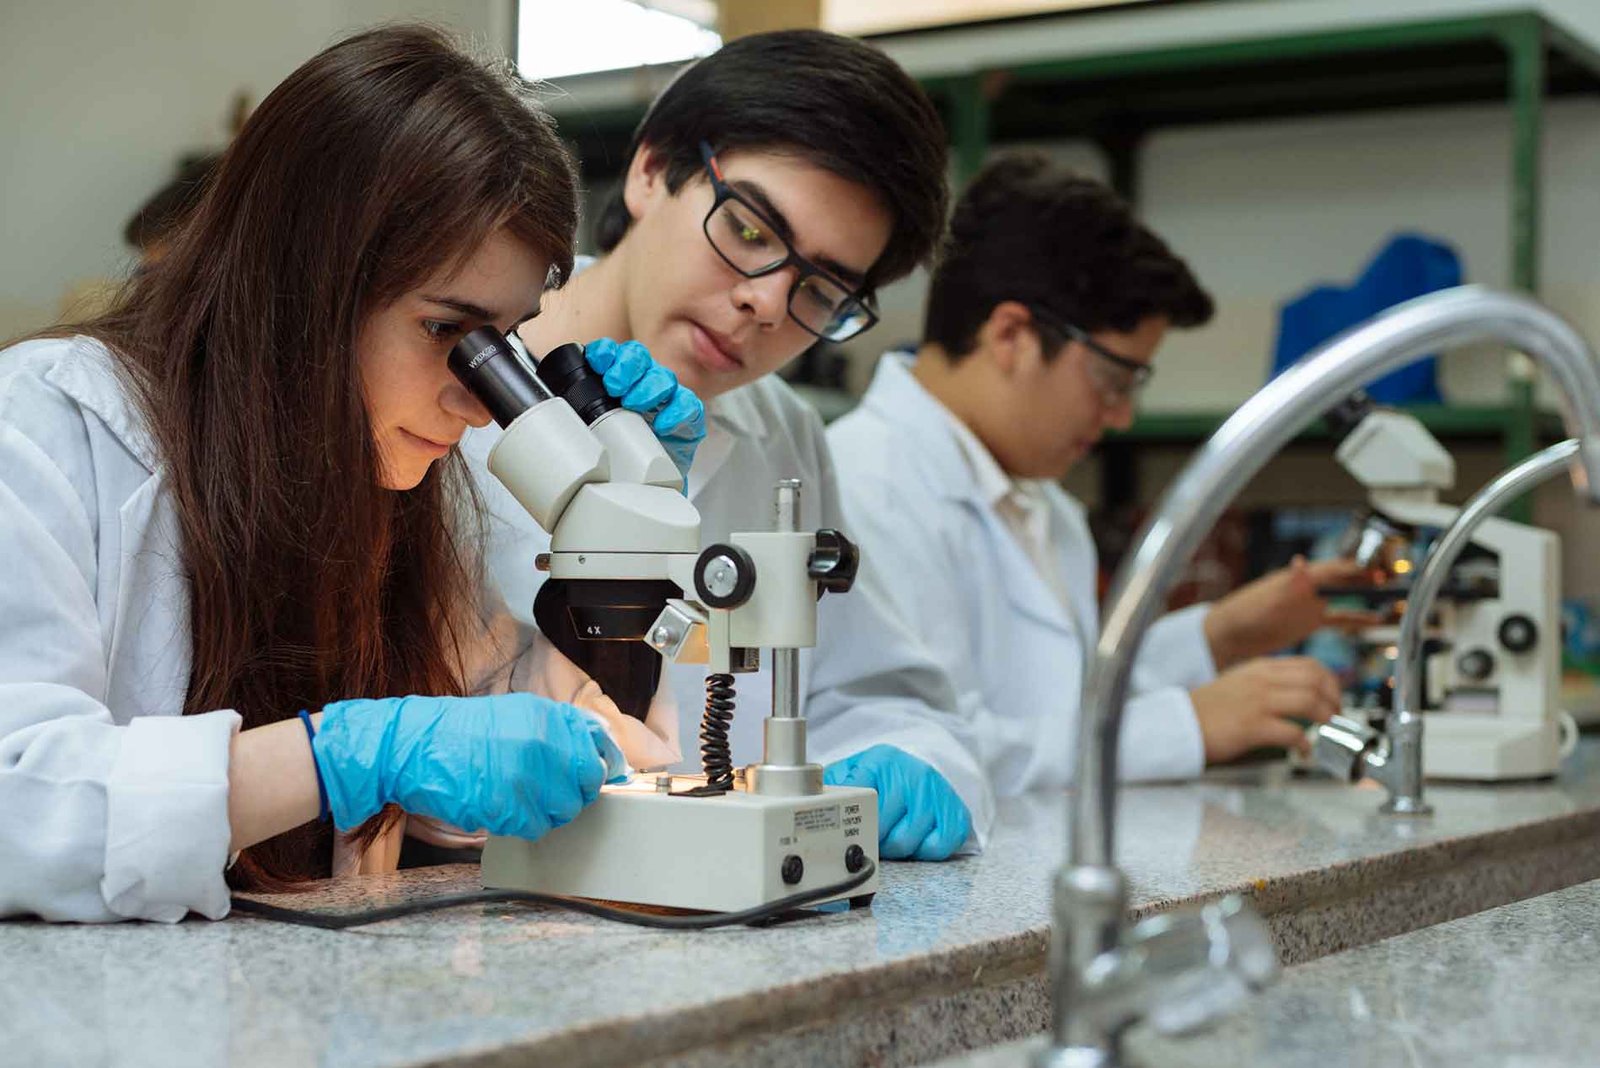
point(716, 754)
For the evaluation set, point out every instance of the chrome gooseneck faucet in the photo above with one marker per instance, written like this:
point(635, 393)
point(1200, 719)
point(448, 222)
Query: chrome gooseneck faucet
point(1180, 972)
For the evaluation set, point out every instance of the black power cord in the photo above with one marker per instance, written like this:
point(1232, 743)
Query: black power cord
point(772, 911)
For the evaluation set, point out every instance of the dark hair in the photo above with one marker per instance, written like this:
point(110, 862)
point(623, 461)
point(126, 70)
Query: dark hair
point(833, 101)
point(164, 211)
point(1031, 230)
point(386, 158)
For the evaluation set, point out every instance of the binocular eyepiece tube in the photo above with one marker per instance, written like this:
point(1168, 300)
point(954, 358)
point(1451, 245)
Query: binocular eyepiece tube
point(494, 369)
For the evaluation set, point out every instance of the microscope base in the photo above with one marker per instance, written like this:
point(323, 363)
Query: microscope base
point(1487, 747)
point(641, 845)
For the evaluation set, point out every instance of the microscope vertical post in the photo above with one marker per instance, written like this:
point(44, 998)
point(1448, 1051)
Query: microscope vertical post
point(786, 662)
point(784, 770)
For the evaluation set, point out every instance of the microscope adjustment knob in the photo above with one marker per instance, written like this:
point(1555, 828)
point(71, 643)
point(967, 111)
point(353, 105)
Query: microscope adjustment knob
point(833, 562)
point(1518, 633)
point(1475, 664)
point(724, 576)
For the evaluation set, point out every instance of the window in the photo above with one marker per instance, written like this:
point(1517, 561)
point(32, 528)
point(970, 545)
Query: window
point(561, 37)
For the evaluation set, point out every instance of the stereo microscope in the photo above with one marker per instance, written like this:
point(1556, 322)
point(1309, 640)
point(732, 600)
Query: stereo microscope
point(629, 584)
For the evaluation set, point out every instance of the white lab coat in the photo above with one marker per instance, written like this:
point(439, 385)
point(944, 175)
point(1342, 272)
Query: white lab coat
point(869, 680)
point(113, 805)
point(1013, 650)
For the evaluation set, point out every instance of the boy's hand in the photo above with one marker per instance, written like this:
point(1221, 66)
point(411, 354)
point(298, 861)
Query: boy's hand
point(1255, 705)
point(1282, 609)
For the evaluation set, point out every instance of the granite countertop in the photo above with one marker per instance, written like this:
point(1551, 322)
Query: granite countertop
point(950, 956)
point(1511, 986)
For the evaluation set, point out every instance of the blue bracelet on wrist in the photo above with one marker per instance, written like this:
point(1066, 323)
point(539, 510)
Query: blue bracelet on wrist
point(322, 791)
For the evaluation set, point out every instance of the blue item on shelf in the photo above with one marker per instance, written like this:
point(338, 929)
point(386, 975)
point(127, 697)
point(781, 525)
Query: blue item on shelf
point(1408, 266)
point(1580, 628)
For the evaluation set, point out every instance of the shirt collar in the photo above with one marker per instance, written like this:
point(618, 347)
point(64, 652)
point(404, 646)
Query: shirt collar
point(993, 483)
point(958, 463)
point(989, 478)
point(89, 376)
point(738, 413)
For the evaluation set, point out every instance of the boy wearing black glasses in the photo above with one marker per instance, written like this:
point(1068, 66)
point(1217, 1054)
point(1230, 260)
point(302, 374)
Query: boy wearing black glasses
point(772, 188)
point(1043, 318)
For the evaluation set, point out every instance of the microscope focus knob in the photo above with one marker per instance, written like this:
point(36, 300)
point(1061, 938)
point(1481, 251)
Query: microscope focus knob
point(833, 562)
point(724, 576)
point(1518, 633)
point(1475, 664)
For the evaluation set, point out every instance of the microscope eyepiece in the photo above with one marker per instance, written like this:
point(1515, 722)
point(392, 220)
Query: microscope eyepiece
point(1345, 416)
point(490, 367)
point(569, 376)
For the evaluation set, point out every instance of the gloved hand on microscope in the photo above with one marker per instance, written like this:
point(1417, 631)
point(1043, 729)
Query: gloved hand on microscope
point(644, 386)
point(512, 763)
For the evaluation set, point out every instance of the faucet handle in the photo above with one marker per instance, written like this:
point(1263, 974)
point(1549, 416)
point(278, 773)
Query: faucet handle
point(1203, 964)
point(1341, 745)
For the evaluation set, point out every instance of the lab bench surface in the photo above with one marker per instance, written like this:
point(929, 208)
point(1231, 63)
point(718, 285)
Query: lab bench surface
point(950, 957)
point(1511, 986)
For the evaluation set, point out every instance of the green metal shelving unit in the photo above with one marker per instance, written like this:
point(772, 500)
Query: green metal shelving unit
point(1117, 99)
point(1444, 420)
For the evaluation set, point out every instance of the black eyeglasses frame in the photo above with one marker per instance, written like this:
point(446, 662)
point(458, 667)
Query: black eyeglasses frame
point(723, 192)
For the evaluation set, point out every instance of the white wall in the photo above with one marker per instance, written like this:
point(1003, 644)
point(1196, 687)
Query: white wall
point(101, 98)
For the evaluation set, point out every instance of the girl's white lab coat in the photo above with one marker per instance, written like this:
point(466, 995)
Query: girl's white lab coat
point(1014, 651)
point(113, 805)
point(869, 680)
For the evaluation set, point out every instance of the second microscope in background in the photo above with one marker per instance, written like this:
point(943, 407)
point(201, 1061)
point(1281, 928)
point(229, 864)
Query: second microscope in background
point(1492, 653)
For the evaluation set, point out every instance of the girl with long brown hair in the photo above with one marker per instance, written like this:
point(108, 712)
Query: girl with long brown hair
point(236, 496)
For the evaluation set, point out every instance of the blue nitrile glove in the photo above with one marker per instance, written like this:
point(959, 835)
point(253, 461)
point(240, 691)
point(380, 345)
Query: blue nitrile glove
point(919, 815)
point(514, 764)
point(644, 386)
